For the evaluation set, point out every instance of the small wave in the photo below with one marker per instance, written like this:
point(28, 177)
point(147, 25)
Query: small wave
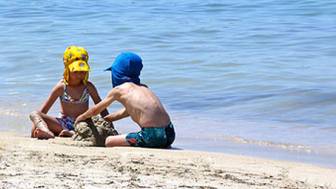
point(283, 146)
point(10, 112)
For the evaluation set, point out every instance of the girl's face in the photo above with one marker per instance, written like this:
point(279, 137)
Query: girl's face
point(76, 77)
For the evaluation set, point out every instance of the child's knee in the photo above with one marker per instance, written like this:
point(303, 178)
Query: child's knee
point(118, 140)
point(36, 118)
point(112, 141)
point(35, 113)
point(109, 141)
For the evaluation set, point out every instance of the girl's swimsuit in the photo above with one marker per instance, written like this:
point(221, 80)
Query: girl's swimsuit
point(65, 121)
point(153, 137)
point(68, 99)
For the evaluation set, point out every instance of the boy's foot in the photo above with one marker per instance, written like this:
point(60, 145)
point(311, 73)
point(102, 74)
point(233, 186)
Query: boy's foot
point(41, 134)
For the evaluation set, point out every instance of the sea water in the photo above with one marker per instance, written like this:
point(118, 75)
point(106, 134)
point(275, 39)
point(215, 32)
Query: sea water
point(243, 77)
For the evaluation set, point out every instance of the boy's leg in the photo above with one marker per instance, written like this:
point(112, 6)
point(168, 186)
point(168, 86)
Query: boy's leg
point(117, 140)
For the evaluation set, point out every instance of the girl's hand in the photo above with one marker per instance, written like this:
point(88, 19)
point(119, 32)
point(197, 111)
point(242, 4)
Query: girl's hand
point(79, 119)
point(109, 118)
point(66, 133)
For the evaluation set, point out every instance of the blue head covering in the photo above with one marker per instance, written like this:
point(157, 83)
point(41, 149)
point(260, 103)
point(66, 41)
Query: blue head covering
point(126, 68)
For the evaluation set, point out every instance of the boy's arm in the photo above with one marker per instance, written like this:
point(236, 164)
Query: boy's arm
point(117, 115)
point(96, 98)
point(98, 107)
point(55, 93)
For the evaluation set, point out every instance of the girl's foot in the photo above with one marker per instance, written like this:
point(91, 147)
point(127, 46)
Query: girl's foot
point(42, 131)
point(66, 133)
point(41, 134)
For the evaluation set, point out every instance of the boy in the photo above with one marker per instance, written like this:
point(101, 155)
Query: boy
point(139, 103)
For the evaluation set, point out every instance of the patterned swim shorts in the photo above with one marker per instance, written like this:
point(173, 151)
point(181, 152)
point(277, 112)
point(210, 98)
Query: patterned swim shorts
point(66, 122)
point(152, 137)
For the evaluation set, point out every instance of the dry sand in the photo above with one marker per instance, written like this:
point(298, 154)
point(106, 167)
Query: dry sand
point(62, 163)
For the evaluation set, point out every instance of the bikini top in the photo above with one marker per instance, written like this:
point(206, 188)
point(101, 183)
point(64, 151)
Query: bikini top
point(68, 99)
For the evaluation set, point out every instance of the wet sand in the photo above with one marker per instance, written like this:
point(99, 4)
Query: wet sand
point(63, 163)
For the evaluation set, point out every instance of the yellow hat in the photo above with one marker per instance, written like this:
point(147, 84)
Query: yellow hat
point(79, 66)
point(75, 58)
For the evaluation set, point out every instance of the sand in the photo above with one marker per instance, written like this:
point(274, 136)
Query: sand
point(62, 163)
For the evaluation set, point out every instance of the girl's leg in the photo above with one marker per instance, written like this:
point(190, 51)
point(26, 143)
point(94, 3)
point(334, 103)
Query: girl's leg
point(52, 123)
point(45, 126)
point(39, 129)
point(117, 140)
point(33, 131)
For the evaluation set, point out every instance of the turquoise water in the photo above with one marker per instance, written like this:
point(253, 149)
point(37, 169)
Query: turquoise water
point(246, 77)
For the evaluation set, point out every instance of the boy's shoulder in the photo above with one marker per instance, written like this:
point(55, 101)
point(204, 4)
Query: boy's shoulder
point(131, 84)
point(143, 85)
point(126, 85)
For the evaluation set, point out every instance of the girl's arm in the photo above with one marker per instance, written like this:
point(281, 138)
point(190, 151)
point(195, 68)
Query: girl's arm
point(55, 93)
point(117, 115)
point(96, 98)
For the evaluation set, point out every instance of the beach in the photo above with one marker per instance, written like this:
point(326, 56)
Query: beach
point(253, 78)
point(63, 163)
point(248, 85)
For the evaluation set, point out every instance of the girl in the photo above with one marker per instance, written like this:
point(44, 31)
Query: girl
point(73, 91)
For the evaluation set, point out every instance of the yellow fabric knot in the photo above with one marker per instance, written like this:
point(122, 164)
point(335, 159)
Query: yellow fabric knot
point(75, 58)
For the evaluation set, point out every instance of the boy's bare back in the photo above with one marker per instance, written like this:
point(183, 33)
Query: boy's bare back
point(142, 105)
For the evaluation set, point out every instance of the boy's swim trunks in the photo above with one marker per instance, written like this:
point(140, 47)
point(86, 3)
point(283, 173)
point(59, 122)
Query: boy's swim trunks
point(153, 137)
point(66, 122)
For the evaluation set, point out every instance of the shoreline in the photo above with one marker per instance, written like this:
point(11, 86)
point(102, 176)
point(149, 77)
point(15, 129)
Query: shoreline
point(62, 163)
point(303, 154)
point(228, 143)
